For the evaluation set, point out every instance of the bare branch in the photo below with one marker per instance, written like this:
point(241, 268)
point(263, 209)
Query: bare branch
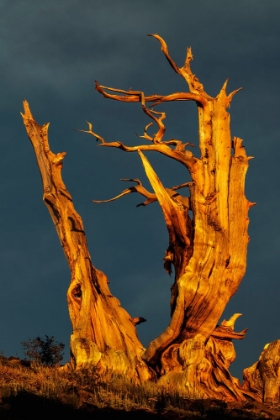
point(133, 96)
point(152, 114)
point(180, 146)
point(178, 187)
point(185, 157)
point(231, 95)
point(130, 94)
point(151, 198)
point(194, 84)
point(145, 135)
point(125, 192)
point(164, 49)
point(89, 131)
point(179, 154)
point(138, 182)
point(157, 138)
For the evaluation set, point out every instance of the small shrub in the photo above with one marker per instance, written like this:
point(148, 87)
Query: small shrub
point(47, 352)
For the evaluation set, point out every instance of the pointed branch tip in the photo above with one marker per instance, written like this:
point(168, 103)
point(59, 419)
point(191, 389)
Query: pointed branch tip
point(189, 56)
point(165, 51)
point(89, 131)
point(230, 323)
point(231, 95)
point(132, 180)
point(26, 109)
point(252, 204)
point(225, 84)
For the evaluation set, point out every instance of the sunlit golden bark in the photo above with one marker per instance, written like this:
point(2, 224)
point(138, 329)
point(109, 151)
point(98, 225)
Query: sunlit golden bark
point(104, 334)
point(208, 239)
point(263, 377)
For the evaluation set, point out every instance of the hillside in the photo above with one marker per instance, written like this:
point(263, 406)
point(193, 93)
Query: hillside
point(30, 392)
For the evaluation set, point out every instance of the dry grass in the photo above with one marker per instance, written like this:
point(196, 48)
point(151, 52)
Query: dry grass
point(36, 392)
point(83, 388)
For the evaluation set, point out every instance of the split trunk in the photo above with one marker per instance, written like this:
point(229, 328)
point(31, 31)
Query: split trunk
point(208, 239)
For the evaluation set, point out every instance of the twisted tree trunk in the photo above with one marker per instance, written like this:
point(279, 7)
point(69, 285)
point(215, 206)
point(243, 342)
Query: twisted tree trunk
point(208, 239)
point(104, 334)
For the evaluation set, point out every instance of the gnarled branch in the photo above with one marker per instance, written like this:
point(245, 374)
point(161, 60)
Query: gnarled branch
point(194, 84)
point(133, 96)
point(152, 114)
point(151, 197)
point(179, 153)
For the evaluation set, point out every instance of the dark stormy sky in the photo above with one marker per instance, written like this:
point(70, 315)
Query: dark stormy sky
point(51, 53)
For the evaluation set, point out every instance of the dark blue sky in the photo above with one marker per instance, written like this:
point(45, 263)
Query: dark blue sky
point(51, 53)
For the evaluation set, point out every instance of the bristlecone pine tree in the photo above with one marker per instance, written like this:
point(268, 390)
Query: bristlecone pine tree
point(208, 239)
